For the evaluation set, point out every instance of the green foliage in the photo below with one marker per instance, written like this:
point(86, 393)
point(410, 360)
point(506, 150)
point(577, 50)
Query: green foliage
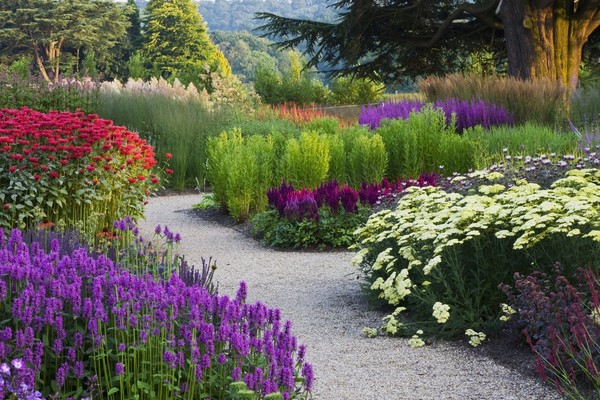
point(178, 43)
point(294, 84)
point(349, 90)
point(247, 52)
point(37, 94)
point(330, 230)
point(241, 171)
point(585, 106)
point(170, 126)
point(438, 250)
point(337, 159)
point(53, 31)
point(367, 160)
point(306, 160)
point(529, 138)
point(423, 142)
point(21, 67)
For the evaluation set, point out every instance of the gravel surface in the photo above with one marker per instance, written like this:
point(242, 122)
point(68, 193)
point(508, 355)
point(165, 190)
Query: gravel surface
point(319, 292)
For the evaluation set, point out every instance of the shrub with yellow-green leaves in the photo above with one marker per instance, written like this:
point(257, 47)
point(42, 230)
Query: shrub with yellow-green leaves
point(441, 256)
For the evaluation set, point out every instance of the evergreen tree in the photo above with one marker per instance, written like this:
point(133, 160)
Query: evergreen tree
point(48, 28)
point(177, 41)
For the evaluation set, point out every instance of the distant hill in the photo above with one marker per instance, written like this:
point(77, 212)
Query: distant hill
point(238, 15)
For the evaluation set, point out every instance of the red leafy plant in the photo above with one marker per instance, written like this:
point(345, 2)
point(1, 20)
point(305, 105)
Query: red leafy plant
point(560, 320)
point(71, 169)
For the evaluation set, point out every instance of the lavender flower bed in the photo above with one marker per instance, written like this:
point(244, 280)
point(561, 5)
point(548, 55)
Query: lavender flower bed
point(81, 318)
point(467, 113)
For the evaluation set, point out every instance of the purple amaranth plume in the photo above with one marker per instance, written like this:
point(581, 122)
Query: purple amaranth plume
point(349, 198)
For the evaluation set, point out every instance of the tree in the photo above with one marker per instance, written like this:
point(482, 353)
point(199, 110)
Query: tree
point(46, 27)
point(396, 38)
point(177, 41)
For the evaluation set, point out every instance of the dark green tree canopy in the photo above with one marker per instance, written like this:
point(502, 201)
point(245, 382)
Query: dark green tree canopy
point(399, 38)
point(45, 28)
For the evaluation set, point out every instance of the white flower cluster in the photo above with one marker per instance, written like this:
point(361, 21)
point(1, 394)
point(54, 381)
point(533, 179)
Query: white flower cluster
point(475, 338)
point(441, 312)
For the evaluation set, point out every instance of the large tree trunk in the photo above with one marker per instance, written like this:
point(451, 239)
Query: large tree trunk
point(544, 38)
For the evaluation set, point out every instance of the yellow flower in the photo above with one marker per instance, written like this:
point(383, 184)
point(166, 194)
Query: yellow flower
point(475, 338)
point(441, 312)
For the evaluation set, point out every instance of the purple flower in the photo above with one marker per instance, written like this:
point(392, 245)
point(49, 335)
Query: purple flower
point(17, 364)
point(4, 369)
point(119, 369)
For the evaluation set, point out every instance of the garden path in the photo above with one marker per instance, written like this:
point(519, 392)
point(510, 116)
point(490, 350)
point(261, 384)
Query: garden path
point(319, 292)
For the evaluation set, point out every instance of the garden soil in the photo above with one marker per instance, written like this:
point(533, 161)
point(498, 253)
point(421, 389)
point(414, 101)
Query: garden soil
point(320, 292)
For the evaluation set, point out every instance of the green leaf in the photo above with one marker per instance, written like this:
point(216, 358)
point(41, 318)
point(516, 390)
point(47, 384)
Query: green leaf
point(112, 391)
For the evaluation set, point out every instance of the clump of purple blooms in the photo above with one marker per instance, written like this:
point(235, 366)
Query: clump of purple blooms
point(305, 203)
point(67, 317)
point(17, 380)
point(467, 113)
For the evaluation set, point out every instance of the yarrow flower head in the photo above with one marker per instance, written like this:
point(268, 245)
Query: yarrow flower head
point(441, 312)
point(475, 338)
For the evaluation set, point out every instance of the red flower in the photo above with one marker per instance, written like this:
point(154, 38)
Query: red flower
point(54, 174)
point(44, 168)
point(154, 179)
point(6, 206)
point(37, 177)
point(169, 171)
point(132, 180)
point(169, 156)
point(90, 168)
point(12, 169)
point(141, 178)
point(63, 162)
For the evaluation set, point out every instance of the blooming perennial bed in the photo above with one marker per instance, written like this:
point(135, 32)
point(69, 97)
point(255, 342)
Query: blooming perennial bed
point(80, 321)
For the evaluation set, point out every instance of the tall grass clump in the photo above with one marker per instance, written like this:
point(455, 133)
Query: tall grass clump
point(584, 108)
point(423, 142)
point(367, 160)
point(241, 170)
point(173, 119)
point(529, 138)
point(83, 325)
point(66, 94)
point(306, 160)
point(535, 100)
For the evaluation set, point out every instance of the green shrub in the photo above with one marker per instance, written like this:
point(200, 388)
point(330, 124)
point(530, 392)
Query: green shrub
point(241, 171)
point(349, 90)
point(337, 159)
point(422, 143)
point(447, 252)
point(367, 160)
point(330, 230)
point(306, 160)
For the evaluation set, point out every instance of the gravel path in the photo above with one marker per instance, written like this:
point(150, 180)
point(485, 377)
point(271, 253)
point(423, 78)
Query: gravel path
point(320, 294)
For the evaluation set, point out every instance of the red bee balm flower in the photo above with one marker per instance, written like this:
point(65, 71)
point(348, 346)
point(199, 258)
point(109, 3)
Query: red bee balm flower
point(6, 206)
point(169, 156)
point(54, 174)
point(169, 171)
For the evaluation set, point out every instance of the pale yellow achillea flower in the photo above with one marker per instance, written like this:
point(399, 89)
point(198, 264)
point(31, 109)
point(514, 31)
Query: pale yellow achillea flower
point(415, 341)
point(441, 312)
point(475, 338)
point(508, 311)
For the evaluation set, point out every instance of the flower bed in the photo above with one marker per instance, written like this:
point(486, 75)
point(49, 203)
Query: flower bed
point(71, 169)
point(81, 323)
point(464, 114)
